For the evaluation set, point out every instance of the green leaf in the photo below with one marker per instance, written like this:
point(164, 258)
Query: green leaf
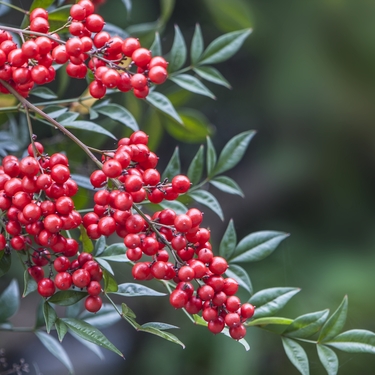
point(54, 111)
point(197, 45)
point(261, 322)
point(58, 17)
point(118, 113)
point(67, 117)
point(306, 325)
point(88, 247)
point(127, 311)
point(55, 348)
point(41, 4)
point(39, 321)
point(233, 152)
point(50, 316)
point(115, 30)
point(158, 325)
point(156, 46)
point(105, 265)
point(89, 126)
point(207, 199)
point(229, 241)
point(296, 355)
point(354, 341)
point(165, 335)
point(61, 329)
point(178, 207)
point(167, 7)
point(257, 246)
point(241, 276)
point(67, 297)
point(195, 169)
point(100, 245)
point(137, 290)
point(110, 284)
point(105, 317)
point(212, 75)
point(9, 301)
point(89, 345)
point(224, 47)
point(5, 263)
point(73, 311)
point(163, 104)
point(211, 156)
point(90, 333)
point(269, 301)
point(43, 92)
point(177, 55)
point(115, 250)
point(82, 181)
point(335, 323)
point(227, 185)
point(29, 284)
point(140, 28)
point(328, 358)
point(192, 84)
point(174, 166)
point(243, 342)
point(128, 6)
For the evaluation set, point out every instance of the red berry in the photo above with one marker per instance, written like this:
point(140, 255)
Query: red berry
point(178, 299)
point(93, 303)
point(157, 75)
point(129, 45)
point(238, 332)
point(38, 12)
point(46, 287)
point(63, 280)
point(94, 23)
point(141, 57)
point(39, 25)
point(247, 310)
point(81, 278)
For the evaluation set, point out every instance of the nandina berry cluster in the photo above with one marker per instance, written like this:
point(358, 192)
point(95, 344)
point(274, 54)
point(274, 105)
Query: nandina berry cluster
point(109, 58)
point(36, 205)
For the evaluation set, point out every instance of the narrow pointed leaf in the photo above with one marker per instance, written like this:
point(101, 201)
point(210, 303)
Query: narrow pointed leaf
point(177, 55)
point(9, 301)
point(211, 156)
point(67, 117)
point(61, 329)
point(29, 284)
point(257, 246)
point(163, 334)
point(115, 253)
point(43, 92)
point(233, 152)
point(105, 317)
point(229, 241)
point(89, 126)
point(89, 345)
point(335, 323)
point(241, 276)
point(163, 104)
point(208, 200)
point(224, 47)
point(173, 167)
point(197, 45)
point(136, 290)
point(227, 185)
point(195, 169)
point(88, 247)
point(269, 301)
point(118, 113)
point(100, 245)
point(262, 322)
point(296, 355)
point(50, 316)
point(67, 297)
point(192, 84)
point(105, 265)
point(354, 341)
point(90, 333)
point(176, 206)
point(158, 325)
point(54, 111)
point(212, 75)
point(156, 46)
point(328, 358)
point(115, 30)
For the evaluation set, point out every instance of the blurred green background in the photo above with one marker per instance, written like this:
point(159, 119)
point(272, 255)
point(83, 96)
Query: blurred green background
point(305, 80)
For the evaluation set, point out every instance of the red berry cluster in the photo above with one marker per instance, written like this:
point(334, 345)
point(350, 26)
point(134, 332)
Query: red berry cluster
point(23, 66)
point(36, 205)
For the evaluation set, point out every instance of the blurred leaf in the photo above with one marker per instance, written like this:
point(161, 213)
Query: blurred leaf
point(162, 104)
point(269, 320)
point(229, 241)
point(296, 355)
point(328, 358)
point(212, 75)
point(224, 47)
point(269, 301)
point(4, 9)
point(335, 323)
point(67, 297)
point(61, 329)
point(174, 167)
point(100, 245)
point(143, 28)
point(39, 321)
point(88, 247)
point(128, 6)
point(90, 333)
point(43, 92)
point(211, 156)
point(306, 325)
point(115, 253)
point(105, 317)
point(41, 4)
point(241, 276)
point(9, 301)
point(354, 341)
point(157, 325)
point(114, 30)
point(118, 113)
point(137, 290)
point(55, 348)
point(167, 7)
point(176, 206)
point(227, 185)
point(105, 265)
point(192, 84)
point(89, 345)
point(127, 311)
point(165, 335)
point(233, 152)
point(54, 111)
point(208, 200)
point(195, 169)
point(257, 246)
point(197, 45)
point(82, 181)
point(110, 284)
point(89, 126)
point(58, 17)
point(29, 284)
point(243, 342)
point(156, 46)
point(67, 117)
point(73, 311)
point(49, 316)
point(177, 55)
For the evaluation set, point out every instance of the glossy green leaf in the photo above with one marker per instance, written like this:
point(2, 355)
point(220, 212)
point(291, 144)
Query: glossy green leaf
point(158, 325)
point(193, 84)
point(82, 181)
point(210, 157)
point(257, 246)
point(307, 325)
point(127, 311)
point(55, 348)
point(88, 247)
point(212, 75)
point(110, 284)
point(90, 333)
point(54, 111)
point(156, 46)
point(197, 45)
point(227, 185)
point(43, 92)
point(118, 113)
point(61, 329)
point(262, 322)
point(177, 55)
point(224, 47)
point(328, 358)
point(9, 301)
point(105, 265)
point(207, 199)
point(241, 276)
point(105, 317)
point(67, 117)
point(163, 104)
point(354, 341)
point(67, 297)
point(57, 17)
point(100, 245)
point(229, 241)
point(173, 167)
point(233, 152)
point(137, 290)
point(115, 253)
point(163, 334)
point(41, 4)
point(29, 284)
point(195, 169)
point(296, 355)
point(176, 206)
point(89, 345)
point(5, 263)
point(89, 126)
point(50, 316)
point(335, 323)
point(269, 301)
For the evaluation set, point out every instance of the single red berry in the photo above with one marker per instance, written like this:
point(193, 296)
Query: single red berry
point(93, 303)
point(36, 272)
point(247, 310)
point(129, 45)
point(157, 75)
point(141, 57)
point(238, 332)
point(46, 287)
point(217, 325)
point(61, 264)
point(39, 25)
point(182, 223)
point(78, 12)
point(178, 299)
point(94, 23)
point(38, 12)
point(218, 265)
point(63, 280)
point(98, 178)
point(81, 278)
point(232, 303)
point(94, 288)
